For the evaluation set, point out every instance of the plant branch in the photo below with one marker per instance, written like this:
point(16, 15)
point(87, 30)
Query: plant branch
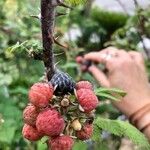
point(136, 3)
point(141, 28)
point(48, 13)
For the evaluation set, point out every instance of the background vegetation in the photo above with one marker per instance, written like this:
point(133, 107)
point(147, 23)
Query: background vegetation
point(20, 35)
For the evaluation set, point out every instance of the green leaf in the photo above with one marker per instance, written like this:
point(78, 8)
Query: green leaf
point(8, 110)
point(80, 145)
point(96, 133)
point(4, 92)
point(17, 46)
point(19, 90)
point(41, 145)
point(5, 79)
point(121, 128)
point(110, 93)
point(107, 96)
point(111, 90)
point(7, 131)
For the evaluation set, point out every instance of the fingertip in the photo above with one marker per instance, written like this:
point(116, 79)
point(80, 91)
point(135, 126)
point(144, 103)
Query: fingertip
point(99, 76)
point(92, 68)
point(93, 56)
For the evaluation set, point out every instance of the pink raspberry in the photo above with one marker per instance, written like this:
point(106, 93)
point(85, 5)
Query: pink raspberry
point(61, 143)
point(50, 122)
point(87, 99)
point(85, 133)
point(79, 59)
point(84, 85)
point(30, 114)
point(31, 133)
point(40, 94)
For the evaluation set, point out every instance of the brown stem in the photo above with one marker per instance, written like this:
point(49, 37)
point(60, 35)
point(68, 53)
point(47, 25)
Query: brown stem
point(48, 14)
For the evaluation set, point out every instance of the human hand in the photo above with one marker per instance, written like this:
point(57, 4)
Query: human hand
point(125, 71)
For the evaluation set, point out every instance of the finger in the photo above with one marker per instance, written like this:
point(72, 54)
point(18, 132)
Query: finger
point(117, 60)
point(93, 56)
point(100, 56)
point(113, 57)
point(99, 76)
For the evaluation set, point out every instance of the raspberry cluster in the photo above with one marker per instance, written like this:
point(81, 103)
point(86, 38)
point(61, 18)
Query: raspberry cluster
point(61, 118)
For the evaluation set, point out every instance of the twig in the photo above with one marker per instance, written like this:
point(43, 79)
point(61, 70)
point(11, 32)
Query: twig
point(56, 42)
point(136, 3)
point(58, 14)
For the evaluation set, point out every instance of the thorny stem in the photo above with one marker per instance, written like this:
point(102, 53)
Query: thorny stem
point(48, 12)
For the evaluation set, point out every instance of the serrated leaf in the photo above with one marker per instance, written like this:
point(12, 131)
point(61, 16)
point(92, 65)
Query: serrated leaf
point(107, 96)
point(96, 133)
point(121, 128)
point(110, 93)
point(111, 90)
point(17, 46)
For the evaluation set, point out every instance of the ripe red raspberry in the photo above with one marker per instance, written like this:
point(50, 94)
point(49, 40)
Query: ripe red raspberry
point(61, 143)
point(87, 99)
point(84, 85)
point(85, 133)
point(30, 114)
point(40, 94)
point(50, 122)
point(79, 59)
point(31, 133)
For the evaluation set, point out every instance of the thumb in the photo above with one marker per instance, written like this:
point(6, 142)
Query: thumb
point(99, 76)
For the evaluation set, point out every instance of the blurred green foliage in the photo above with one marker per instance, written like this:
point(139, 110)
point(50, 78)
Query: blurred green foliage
point(97, 28)
point(128, 37)
point(20, 34)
